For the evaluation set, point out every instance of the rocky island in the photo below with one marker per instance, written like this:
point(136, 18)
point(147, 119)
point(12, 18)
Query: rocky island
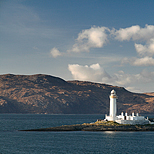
point(98, 126)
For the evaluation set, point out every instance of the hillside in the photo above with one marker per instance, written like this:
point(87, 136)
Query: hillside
point(52, 95)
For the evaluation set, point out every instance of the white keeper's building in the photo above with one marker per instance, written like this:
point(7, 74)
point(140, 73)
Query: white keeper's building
point(123, 118)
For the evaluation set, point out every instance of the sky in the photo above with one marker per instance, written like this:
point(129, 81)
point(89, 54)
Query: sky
point(109, 42)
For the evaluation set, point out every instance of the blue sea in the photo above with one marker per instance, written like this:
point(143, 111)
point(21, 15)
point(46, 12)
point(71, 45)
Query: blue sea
point(13, 141)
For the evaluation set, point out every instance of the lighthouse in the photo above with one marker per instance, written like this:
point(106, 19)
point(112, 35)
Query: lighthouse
point(113, 107)
point(113, 104)
point(123, 119)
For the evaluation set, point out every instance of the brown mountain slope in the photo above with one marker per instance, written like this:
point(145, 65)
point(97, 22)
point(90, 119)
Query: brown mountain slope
point(47, 94)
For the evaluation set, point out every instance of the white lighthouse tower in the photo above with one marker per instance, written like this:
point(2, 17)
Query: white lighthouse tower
point(113, 107)
point(113, 104)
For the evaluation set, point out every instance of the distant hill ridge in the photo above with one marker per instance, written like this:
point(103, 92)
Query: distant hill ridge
point(52, 95)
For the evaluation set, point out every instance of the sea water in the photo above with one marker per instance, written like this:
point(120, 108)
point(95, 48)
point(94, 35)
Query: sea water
point(13, 141)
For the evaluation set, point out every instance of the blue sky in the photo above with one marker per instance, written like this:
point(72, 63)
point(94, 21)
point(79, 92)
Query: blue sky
point(102, 41)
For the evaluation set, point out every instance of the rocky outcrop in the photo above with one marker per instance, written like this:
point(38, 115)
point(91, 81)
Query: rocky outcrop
point(106, 126)
point(52, 95)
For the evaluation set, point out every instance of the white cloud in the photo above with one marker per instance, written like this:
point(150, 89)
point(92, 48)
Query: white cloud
point(147, 49)
point(97, 74)
point(127, 33)
point(136, 90)
point(95, 66)
point(55, 52)
point(141, 49)
point(146, 61)
point(124, 79)
point(135, 33)
point(94, 37)
point(88, 73)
